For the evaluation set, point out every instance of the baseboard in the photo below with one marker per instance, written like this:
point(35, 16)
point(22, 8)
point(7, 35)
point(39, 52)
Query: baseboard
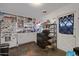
point(22, 44)
point(27, 43)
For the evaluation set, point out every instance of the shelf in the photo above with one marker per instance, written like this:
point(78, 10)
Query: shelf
point(53, 30)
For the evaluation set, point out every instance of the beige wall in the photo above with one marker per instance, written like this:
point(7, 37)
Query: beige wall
point(66, 42)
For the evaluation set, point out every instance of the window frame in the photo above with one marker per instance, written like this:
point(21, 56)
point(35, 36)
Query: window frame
point(66, 24)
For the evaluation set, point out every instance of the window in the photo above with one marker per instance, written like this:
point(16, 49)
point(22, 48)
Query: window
point(66, 24)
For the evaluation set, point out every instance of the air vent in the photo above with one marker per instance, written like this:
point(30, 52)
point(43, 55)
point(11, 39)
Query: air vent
point(44, 11)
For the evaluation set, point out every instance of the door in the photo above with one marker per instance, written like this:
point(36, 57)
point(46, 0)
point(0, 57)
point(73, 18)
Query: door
point(66, 32)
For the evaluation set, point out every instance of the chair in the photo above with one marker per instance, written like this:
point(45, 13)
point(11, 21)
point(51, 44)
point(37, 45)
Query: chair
point(42, 39)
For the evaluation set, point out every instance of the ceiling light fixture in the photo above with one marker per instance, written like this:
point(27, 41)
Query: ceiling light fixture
point(37, 4)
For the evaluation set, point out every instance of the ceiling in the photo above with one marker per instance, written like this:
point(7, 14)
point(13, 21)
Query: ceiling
point(30, 10)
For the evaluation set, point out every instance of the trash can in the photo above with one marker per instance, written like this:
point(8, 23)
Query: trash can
point(4, 49)
point(76, 49)
point(70, 53)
